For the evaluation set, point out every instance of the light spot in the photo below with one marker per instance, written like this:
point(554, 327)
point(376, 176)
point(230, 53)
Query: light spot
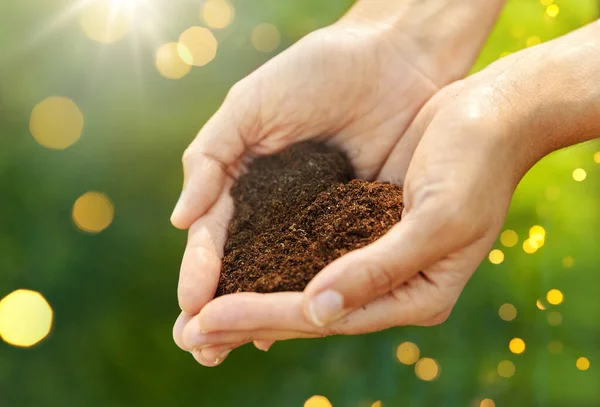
point(496, 256)
point(106, 21)
point(597, 157)
point(554, 318)
point(583, 364)
point(555, 347)
point(56, 123)
point(509, 238)
point(218, 13)
point(197, 46)
point(552, 10)
point(377, 404)
point(25, 318)
point(555, 297)
point(552, 193)
point(533, 41)
point(507, 312)
point(93, 212)
point(168, 62)
point(529, 247)
point(506, 369)
point(540, 306)
point(408, 353)
point(427, 369)
point(317, 401)
point(568, 262)
point(487, 403)
point(517, 346)
point(266, 37)
point(579, 174)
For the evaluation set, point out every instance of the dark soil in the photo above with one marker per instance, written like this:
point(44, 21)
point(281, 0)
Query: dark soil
point(296, 212)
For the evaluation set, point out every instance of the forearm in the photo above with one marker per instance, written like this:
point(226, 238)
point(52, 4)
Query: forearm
point(447, 35)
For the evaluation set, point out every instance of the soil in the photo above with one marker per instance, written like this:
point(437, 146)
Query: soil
point(296, 212)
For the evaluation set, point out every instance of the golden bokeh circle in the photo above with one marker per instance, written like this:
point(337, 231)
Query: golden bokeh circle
point(25, 318)
point(218, 14)
point(266, 37)
point(554, 318)
point(487, 403)
point(517, 346)
point(507, 312)
point(427, 369)
point(496, 256)
point(56, 122)
point(93, 212)
point(509, 238)
point(506, 369)
point(168, 62)
point(106, 21)
point(317, 401)
point(408, 353)
point(582, 364)
point(197, 46)
point(555, 297)
point(579, 174)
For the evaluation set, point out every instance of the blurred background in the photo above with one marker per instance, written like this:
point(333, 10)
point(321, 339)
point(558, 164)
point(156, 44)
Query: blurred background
point(93, 122)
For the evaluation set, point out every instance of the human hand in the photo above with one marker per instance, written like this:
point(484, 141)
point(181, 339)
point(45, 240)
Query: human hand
point(478, 138)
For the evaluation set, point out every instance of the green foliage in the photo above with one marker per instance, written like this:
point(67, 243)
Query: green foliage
point(114, 294)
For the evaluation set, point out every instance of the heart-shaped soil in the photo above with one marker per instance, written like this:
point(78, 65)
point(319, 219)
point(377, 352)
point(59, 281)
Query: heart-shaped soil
point(296, 212)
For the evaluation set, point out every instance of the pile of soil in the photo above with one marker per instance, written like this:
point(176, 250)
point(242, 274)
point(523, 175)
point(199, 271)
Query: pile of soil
point(296, 212)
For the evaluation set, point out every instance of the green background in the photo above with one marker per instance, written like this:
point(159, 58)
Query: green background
point(114, 294)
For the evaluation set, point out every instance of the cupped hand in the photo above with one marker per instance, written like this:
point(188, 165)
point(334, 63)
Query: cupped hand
point(350, 85)
point(467, 159)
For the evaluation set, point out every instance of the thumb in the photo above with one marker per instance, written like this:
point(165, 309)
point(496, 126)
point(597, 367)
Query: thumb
point(421, 238)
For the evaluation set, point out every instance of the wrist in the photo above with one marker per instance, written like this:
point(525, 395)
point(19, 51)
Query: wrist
point(443, 37)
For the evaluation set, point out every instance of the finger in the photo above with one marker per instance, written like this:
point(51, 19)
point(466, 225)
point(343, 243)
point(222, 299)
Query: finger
point(215, 355)
point(211, 159)
point(201, 264)
point(180, 324)
point(358, 278)
point(263, 345)
point(274, 316)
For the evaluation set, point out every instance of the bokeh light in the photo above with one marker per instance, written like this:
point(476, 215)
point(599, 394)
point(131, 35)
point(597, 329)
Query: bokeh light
point(554, 318)
point(25, 318)
point(408, 353)
point(555, 347)
point(56, 123)
point(529, 247)
point(582, 363)
point(517, 346)
point(496, 256)
point(509, 238)
point(568, 262)
point(552, 10)
point(427, 369)
point(266, 37)
point(106, 21)
point(540, 305)
point(487, 403)
point(93, 212)
point(537, 236)
point(506, 369)
point(579, 175)
point(507, 312)
point(217, 14)
point(533, 41)
point(555, 297)
point(317, 401)
point(168, 62)
point(597, 157)
point(377, 404)
point(197, 46)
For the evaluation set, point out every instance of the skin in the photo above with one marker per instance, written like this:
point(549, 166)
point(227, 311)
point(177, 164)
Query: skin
point(398, 121)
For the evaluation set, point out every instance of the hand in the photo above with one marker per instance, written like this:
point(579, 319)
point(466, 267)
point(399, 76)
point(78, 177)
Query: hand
point(477, 139)
point(348, 85)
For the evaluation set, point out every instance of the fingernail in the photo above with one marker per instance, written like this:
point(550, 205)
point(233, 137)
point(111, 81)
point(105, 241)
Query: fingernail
point(221, 356)
point(326, 307)
point(257, 345)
